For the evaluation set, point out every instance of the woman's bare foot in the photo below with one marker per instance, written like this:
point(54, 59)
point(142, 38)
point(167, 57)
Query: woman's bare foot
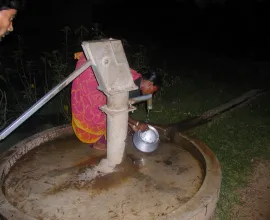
point(100, 146)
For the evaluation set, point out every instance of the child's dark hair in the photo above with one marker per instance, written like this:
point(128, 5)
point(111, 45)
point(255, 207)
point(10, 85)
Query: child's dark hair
point(11, 4)
point(154, 77)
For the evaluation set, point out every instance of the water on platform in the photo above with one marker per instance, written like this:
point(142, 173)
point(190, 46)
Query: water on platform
point(58, 181)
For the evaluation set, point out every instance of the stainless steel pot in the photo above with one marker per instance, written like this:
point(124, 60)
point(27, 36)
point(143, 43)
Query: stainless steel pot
point(146, 141)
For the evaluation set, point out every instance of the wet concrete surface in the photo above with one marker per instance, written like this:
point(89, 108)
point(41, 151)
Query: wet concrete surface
point(58, 181)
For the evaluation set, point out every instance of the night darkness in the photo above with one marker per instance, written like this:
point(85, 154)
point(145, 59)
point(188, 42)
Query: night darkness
point(218, 40)
point(234, 28)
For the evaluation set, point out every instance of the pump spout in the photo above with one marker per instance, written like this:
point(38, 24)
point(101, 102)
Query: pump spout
point(149, 104)
point(140, 99)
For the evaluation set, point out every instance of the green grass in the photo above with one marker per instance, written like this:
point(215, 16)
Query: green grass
point(237, 138)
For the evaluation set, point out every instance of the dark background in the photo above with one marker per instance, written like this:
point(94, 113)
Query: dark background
point(232, 28)
point(213, 42)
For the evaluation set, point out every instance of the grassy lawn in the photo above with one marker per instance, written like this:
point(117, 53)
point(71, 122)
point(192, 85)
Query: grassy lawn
point(237, 138)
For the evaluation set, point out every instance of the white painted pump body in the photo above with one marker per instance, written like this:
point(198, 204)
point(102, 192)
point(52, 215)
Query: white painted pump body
point(113, 74)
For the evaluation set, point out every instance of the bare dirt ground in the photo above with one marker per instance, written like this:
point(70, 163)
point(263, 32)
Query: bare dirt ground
point(255, 198)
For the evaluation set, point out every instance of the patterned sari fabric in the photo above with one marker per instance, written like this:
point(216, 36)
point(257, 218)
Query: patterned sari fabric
point(88, 121)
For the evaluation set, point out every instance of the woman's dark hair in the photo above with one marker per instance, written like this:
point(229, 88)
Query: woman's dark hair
point(154, 77)
point(11, 4)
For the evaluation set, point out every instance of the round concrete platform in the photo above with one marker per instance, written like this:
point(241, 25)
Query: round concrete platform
point(51, 175)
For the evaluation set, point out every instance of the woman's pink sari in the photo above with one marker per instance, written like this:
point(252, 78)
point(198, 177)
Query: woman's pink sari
point(88, 121)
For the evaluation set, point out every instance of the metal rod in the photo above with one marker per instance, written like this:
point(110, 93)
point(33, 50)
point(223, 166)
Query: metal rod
point(140, 99)
point(44, 100)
